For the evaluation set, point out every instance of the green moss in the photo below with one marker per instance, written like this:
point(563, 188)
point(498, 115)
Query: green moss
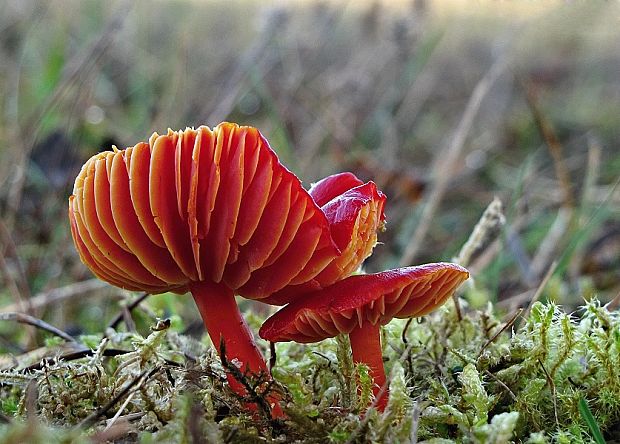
point(470, 381)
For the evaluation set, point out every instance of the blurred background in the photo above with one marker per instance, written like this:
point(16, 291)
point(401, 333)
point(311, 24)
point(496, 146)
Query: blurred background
point(444, 104)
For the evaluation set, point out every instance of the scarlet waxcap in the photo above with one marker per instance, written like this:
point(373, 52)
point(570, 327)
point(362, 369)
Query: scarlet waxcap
point(373, 298)
point(217, 205)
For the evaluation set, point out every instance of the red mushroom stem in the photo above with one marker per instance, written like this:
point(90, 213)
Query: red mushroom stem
point(223, 321)
point(366, 348)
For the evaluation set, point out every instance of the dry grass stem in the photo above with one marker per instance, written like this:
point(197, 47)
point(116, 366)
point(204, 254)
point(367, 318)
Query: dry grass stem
point(614, 303)
point(553, 144)
point(77, 70)
point(588, 198)
point(516, 300)
point(553, 241)
point(448, 158)
point(60, 295)
point(517, 250)
point(225, 102)
point(91, 419)
point(485, 232)
point(112, 422)
point(18, 286)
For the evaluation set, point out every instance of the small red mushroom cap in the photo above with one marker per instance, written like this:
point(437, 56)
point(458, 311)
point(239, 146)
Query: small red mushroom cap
point(368, 298)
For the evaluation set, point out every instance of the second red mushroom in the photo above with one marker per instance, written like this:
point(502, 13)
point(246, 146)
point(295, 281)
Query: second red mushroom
point(360, 305)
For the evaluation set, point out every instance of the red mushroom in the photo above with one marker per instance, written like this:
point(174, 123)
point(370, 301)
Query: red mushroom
point(215, 213)
point(359, 305)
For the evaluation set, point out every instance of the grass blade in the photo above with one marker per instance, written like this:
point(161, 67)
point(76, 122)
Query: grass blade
point(587, 416)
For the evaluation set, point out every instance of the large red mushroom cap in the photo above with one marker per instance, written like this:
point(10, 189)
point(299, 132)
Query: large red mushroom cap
point(367, 298)
point(217, 206)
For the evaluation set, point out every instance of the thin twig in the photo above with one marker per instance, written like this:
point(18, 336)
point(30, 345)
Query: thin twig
point(117, 415)
point(83, 353)
point(92, 418)
point(405, 330)
point(255, 397)
point(540, 289)
point(553, 393)
point(506, 326)
point(446, 164)
point(314, 352)
point(121, 315)
point(406, 342)
point(500, 382)
point(23, 318)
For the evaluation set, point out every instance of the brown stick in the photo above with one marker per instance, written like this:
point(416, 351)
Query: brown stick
point(23, 318)
point(108, 352)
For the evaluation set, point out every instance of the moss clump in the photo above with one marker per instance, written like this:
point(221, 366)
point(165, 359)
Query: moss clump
point(452, 380)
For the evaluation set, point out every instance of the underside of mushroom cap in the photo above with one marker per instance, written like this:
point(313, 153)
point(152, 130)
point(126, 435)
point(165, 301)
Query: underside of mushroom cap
point(214, 205)
point(374, 298)
point(355, 217)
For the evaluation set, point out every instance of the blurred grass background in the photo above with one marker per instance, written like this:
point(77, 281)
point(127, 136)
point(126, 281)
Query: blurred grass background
point(444, 104)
